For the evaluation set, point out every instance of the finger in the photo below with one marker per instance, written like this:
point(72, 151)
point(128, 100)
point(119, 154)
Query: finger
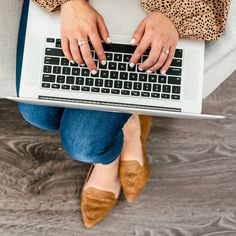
point(138, 34)
point(160, 61)
point(87, 57)
point(96, 42)
point(74, 48)
point(66, 49)
point(139, 51)
point(152, 57)
point(103, 31)
point(169, 60)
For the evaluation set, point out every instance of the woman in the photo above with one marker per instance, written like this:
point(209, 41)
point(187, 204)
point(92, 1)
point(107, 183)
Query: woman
point(115, 142)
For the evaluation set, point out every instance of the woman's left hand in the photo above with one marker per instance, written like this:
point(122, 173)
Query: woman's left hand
point(160, 34)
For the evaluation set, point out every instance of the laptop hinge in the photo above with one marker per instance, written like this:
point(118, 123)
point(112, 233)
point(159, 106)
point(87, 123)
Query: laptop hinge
point(112, 104)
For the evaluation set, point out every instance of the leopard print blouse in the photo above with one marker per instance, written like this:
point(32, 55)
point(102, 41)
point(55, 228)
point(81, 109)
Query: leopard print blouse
point(199, 19)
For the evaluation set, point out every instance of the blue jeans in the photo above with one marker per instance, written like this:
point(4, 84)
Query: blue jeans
point(87, 135)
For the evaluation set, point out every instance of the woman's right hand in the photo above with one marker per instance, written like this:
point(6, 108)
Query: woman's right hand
point(80, 21)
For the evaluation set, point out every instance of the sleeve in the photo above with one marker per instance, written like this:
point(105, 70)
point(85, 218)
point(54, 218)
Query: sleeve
point(199, 19)
point(51, 5)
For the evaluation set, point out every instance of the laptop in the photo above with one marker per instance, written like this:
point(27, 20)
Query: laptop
point(49, 79)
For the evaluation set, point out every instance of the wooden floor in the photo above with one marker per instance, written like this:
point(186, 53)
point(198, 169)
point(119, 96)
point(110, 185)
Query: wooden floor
point(191, 191)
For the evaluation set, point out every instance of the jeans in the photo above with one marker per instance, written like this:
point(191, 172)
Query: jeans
point(86, 135)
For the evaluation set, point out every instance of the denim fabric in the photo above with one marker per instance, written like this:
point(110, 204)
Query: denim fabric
point(87, 135)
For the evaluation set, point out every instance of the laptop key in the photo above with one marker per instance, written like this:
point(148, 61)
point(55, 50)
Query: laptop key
point(166, 88)
point(70, 80)
point(109, 56)
point(45, 85)
point(162, 79)
point(175, 97)
point(84, 88)
point(131, 68)
point(99, 82)
point(152, 78)
point(127, 57)
point(145, 94)
point(143, 77)
point(135, 93)
point(56, 86)
point(155, 95)
point(76, 71)
point(74, 64)
point(122, 66)
point(137, 86)
point(60, 79)
point(85, 72)
point(117, 57)
point(127, 85)
point(165, 96)
point(49, 78)
point(123, 75)
point(56, 70)
point(176, 62)
point(156, 88)
point(102, 66)
point(65, 86)
point(47, 69)
point(118, 84)
point(75, 87)
point(112, 65)
point(178, 53)
point(80, 80)
point(89, 81)
point(105, 90)
point(50, 40)
point(64, 62)
point(125, 92)
point(54, 52)
point(51, 60)
point(147, 87)
point(95, 90)
point(133, 76)
point(114, 74)
point(174, 71)
point(108, 83)
point(176, 89)
point(66, 70)
point(104, 74)
point(174, 80)
point(115, 91)
point(58, 43)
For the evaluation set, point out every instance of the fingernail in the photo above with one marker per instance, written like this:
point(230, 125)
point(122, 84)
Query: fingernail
point(103, 62)
point(140, 69)
point(132, 41)
point(82, 64)
point(131, 64)
point(148, 71)
point(108, 39)
point(72, 61)
point(94, 72)
point(163, 72)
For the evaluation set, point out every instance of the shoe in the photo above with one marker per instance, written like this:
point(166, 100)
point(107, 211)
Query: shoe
point(134, 176)
point(95, 203)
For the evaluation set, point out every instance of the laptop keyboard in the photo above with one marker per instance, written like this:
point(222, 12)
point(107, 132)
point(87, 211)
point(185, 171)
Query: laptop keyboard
point(115, 78)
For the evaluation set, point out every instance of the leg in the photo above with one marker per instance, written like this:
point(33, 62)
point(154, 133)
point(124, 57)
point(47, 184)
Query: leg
point(43, 117)
point(93, 136)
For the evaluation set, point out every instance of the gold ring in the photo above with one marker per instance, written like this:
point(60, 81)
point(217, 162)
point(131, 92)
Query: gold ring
point(80, 42)
point(166, 51)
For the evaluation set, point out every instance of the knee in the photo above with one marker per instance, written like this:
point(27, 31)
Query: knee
point(90, 149)
point(38, 116)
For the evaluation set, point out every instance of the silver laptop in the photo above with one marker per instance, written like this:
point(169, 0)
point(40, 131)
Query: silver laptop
point(49, 79)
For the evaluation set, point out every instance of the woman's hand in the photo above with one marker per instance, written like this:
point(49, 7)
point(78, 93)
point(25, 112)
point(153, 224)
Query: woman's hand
point(158, 32)
point(81, 22)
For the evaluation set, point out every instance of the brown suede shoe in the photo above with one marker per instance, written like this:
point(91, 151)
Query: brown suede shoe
point(95, 204)
point(134, 176)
